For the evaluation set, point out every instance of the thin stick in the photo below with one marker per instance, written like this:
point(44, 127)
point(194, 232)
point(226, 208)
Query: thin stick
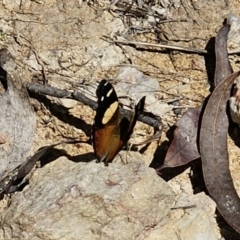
point(234, 51)
point(163, 46)
point(59, 93)
point(195, 50)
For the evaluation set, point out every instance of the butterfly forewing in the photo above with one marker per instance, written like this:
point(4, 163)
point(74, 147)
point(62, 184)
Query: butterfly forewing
point(107, 104)
point(105, 122)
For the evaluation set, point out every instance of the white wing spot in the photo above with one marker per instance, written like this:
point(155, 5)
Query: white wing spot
point(105, 84)
point(102, 98)
point(109, 92)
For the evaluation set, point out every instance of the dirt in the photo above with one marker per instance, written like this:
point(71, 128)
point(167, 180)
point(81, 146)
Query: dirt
point(74, 48)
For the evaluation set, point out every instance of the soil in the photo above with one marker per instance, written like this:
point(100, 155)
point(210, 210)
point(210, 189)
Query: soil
point(77, 51)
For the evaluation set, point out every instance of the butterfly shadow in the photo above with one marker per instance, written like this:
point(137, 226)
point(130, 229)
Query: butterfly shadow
point(62, 113)
point(54, 154)
point(49, 156)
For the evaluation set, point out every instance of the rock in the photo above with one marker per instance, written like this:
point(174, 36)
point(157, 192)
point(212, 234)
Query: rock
point(193, 225)
point(68, 200)
point(137, 85)
point(67, 103)
point(233, 35)
point(234, 102)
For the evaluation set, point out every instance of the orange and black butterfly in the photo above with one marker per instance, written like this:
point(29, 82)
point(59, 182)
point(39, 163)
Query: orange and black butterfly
point(111, 131)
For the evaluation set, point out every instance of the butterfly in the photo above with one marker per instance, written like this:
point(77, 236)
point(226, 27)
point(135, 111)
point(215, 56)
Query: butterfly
point(110, 130)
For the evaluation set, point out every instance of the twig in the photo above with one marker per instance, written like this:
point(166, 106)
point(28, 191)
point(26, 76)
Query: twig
point(195, 50)
point(59, 93)
point(234, 51)
point(163, 46)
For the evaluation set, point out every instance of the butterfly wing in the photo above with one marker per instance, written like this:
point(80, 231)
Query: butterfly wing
point(126, 126)
point(110, 131)
point(105, 128)
point(107, 110)
point(126, 134)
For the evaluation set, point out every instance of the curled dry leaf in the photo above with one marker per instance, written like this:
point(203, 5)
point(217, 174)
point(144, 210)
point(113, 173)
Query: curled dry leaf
point(214, 154)
point(22, 170)
point(223, 67)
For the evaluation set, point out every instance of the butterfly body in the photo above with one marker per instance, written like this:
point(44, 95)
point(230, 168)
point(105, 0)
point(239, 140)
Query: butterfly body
point(111, 131)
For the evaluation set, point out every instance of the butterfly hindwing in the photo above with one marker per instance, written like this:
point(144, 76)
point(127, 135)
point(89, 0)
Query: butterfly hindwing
point(128, 130)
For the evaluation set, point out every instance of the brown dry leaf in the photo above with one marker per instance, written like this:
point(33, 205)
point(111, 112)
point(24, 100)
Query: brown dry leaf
point(183, 148)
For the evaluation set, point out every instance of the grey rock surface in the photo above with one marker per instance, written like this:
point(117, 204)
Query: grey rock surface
point(193, 225)
point(134, 83)
point(92, 201)
point(68, 200)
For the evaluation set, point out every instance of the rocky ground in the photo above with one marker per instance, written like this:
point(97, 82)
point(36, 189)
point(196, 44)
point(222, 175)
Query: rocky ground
point(70, 45)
